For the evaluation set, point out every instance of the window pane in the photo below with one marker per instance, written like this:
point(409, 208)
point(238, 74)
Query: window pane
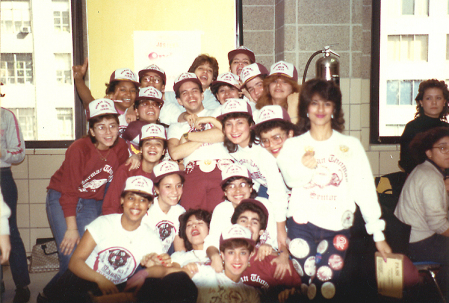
point(393, 47)
point(407, 7)
point(405, 93)
point(420, 48)
point(392, 92)
point(422, 7)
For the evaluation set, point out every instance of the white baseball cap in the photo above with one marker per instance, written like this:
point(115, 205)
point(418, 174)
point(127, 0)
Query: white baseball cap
point(165, 168)
point(227, 78)
point(184, 77)
point(124, 74)
point(139, 184)
point(233, 105)
point(241, 50)
point(234, 170)
point(283, 68)
point(100, 107)
point(150, 93)
point(236, 232)
point(153, 68)
point(251, 71)
point(271, 113)
point(153, 131)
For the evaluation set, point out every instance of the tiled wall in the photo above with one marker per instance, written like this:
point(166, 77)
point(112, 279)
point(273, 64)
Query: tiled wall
point(284, 29)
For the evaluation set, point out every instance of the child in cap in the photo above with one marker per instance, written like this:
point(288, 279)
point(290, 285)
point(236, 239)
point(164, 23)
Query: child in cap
point(240, 141)
point(110, 249)
point(152, 145)
point(205, 68)
point(251, 78)
point(76, 190)
point(200, 147)
point(226, 86)
point(280, 87)
point(163, 216)
point(273, 273)
point(237, 186)
point(239, 58)
point(273, 127)
point(122, 89)
point(193, 230)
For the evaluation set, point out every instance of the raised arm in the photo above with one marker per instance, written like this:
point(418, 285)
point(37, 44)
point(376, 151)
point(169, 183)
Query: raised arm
point(79, 71)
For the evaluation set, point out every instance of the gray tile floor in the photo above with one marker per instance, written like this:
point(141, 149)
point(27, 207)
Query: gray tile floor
point(38, 281)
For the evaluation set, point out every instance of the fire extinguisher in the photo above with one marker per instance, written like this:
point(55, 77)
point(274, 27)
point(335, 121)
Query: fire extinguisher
point(327, 67)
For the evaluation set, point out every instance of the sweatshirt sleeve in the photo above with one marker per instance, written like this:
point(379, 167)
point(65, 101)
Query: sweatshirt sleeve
point(111, 202)
point(122, 151)
point(435, 207)
point(4, 216)
point(14, 149)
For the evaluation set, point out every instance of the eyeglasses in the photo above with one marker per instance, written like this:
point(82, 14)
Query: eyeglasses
point(443, 149)
point(277, 139)
point(104, 128)
point(152, 79)
point(150, 104)
point(234, 186)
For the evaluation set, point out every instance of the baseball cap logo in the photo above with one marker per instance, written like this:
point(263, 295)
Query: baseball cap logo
point(154, 67)
point(280, 67)
point(267, 114)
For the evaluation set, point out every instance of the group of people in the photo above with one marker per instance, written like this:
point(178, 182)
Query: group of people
point(234, 185)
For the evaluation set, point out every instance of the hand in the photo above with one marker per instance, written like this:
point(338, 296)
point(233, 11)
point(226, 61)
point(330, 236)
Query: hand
point(106, 286)
point(71, 238)
point(130, 116)
point(191, 119)
point(282, 266)
point(283, 295)
point(384, 249)
point(147, 260)
point(133, 162)
point(136, 281)
point(79, 71)
point(163, 259)
point(5, 248)
point(217, 263)
point(264, 250)
point(192, 268)
point(308, 160)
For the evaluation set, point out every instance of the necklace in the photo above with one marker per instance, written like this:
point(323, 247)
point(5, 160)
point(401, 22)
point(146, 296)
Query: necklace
point(105, 158)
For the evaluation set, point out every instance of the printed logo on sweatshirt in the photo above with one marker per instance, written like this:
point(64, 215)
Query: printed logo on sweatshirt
point(115, 263)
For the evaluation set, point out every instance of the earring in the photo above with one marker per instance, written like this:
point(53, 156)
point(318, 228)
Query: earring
point(332, 116)
point(307, 115)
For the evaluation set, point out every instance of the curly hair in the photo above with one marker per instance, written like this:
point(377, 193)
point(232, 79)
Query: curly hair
point(424, 141)
point(199, 214)
point(327, 90)
point(232, 148)
point(432, 83)
point(265, 99)
point(202, 59)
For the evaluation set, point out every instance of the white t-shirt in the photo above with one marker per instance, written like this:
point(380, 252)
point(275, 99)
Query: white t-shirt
point(221, 219)
point(209, 101)
point(193, 256)
point(206, 151)
point(166, 225)
point(169, 113)
point(217, 287)
point(118, 251)
point(264, 171)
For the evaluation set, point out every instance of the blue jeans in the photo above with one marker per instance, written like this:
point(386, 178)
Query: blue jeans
point(87, 210)
point(17, 258)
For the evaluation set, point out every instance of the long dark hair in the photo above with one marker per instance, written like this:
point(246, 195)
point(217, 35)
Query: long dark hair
point(425, 141)
point(327, 90)
point(232, 148)
point(431, 83)
point(199, 214)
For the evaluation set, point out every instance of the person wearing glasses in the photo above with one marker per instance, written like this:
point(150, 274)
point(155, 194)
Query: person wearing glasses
point(76, 190)
point(431, 111)
point(423, 203)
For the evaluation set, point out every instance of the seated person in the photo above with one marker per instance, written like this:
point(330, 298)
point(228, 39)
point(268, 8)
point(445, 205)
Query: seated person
point(423, 202)
point(193, 229)
point(110, 249)
point(274, 273)
point(152, 145)
point(431, 111)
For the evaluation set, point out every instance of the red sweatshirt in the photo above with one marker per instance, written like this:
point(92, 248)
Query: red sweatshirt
point(111, 202)
point(83, 173)
point(260, 274)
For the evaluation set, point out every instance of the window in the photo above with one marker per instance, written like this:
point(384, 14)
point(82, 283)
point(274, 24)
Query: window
point(27, 121)
point(407, 47)
point(15, 15)
point(410, 44)
point(65, 123)
point(63, 68)
point(415, 7)
point(61, 16)
point(16, 69)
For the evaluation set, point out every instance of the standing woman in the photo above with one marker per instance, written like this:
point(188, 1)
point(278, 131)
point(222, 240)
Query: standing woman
point(76, 190)
point(327, 172)
point(431, 111)
point(13, 152)
point(279, 88)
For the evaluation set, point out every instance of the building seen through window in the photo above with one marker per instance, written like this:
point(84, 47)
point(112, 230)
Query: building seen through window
point(35, 66)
